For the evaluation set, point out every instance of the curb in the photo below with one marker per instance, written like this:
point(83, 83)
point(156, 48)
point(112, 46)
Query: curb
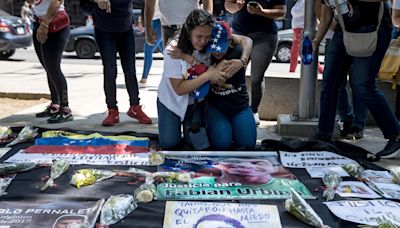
point(24, 96)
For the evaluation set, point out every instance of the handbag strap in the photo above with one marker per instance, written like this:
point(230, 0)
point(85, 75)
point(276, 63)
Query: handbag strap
point(341, 21)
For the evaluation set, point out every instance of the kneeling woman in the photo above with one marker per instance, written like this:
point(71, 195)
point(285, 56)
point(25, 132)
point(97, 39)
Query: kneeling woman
point(230, 121)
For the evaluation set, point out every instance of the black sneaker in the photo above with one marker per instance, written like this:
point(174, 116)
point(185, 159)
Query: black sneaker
point(346, 128)
point(49, 111)
point(63, 115)
point(391, 150)
point(355, 134)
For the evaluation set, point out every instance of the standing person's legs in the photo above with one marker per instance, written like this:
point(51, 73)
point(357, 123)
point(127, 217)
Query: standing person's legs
point(364, 87)
point(106, 41)
point(344, 110)
point(167, 33)
point(126, 50)
point(52, 51)
point(295, 49)
point(264, 46)
point(53, 92)
point(149, 50)
point(336, 67)
point(169, 128)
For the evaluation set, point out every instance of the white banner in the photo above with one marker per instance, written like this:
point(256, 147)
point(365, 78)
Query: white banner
point(319, 172)
point(183, 214)
point(366, 211)
point(78, 159)
point(313, 159)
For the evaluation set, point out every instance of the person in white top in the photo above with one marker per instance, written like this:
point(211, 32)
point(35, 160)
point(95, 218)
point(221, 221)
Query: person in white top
point(173, 15)
point(297, 12)
point(50, 36)
point(175, 101)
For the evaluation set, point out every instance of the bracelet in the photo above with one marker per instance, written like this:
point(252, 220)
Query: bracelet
point(44, 24)
point(244, 62)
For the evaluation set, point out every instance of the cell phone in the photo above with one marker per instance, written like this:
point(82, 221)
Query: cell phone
point(253, 3)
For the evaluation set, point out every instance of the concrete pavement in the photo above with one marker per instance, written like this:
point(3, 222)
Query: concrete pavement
point(87, 101)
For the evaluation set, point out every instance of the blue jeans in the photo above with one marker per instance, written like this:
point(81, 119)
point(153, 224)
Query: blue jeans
point(359, 114)
point(224, 129)
point(169, 125)
point(362, 82)
point(109, 44)
point(149, 49)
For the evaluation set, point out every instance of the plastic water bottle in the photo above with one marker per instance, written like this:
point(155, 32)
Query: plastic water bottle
point(307, 50)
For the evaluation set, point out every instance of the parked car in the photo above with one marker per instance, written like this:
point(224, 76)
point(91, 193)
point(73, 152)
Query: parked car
point(14, 33)
point(285, 40)
point(82, 41)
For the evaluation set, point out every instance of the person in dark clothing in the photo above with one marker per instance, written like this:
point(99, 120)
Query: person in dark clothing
point(257, 22)
point(360, 17)
point(114, 33)
point(50, 36)
point(229, 119)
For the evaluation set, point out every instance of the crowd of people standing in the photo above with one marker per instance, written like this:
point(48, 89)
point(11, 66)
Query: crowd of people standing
point(203, 55)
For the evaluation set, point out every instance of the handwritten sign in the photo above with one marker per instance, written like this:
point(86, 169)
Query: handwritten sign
point(77, 159)
point(366, 211)
point(313, 159)
point(184, 214)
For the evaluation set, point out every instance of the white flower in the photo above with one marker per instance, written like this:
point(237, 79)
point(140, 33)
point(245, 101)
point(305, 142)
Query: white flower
point(156, 159)
point(184, 177)
point(145, 196)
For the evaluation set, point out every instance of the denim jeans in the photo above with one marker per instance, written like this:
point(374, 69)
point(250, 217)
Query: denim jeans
point(50, 55)
point(109, 44)
point(362, 82)
point(359, 113)
point(149, 49)
point(225, 130)
point(169, 125)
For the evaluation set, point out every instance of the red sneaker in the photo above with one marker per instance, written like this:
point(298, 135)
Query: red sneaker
point(135, 111)
point(112, 118)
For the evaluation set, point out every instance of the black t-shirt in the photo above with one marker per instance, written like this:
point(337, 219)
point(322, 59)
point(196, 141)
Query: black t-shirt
point(244, 23)
point(364, 16)
point(231, 97)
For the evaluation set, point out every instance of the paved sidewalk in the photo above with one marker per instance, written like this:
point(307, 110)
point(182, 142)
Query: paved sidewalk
point(87, 101)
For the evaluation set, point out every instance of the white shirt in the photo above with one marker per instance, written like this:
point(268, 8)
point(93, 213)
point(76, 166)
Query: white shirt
point(396, 4)
point(41, 6)
point(175, 12)
point(174, 68)
point(297, 12)
point(157, 13)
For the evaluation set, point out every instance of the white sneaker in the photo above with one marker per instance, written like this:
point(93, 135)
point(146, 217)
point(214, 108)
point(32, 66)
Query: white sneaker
point(256, 118)
point(142, 85)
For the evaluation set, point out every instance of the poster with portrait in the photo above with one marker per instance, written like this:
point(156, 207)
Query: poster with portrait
point(355, 189)
point(367, 212)
point(186, 214)
point(226, 178)
point(49, 214)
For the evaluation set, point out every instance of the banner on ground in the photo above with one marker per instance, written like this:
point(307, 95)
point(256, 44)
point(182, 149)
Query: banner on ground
point(367, 211)
point(313, 159)
point(56, 214)
point(355, 189)
point(183, 214)
point(319, 172)
point(78, 159)
point(225, 178)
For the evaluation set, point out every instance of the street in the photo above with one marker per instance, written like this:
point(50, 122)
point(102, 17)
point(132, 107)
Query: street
point(29, 55)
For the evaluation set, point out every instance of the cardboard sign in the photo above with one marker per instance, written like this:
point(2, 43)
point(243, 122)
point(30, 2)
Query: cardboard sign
point(313, 159)
point(366, 211)
point(183, 214)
